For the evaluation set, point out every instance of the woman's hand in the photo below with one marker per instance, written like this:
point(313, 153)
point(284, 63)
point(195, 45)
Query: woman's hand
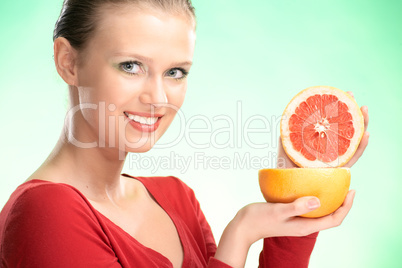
point(285, 162)
point(260, 220)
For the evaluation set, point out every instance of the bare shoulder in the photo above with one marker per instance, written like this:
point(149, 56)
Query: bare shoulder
point(45, 174)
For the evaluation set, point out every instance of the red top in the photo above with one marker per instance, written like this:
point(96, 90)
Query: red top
point(46, 224)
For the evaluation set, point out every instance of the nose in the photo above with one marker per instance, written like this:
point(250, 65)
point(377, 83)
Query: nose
point(154, 92)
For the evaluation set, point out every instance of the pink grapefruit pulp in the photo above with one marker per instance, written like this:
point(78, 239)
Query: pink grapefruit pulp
point(321, 127)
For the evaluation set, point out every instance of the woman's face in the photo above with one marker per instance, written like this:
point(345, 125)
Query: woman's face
point(134, 70)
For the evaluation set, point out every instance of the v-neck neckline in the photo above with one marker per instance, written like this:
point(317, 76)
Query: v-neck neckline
point(162, 201)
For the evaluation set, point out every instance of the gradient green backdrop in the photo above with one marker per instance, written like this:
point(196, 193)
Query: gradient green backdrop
point(258, 52)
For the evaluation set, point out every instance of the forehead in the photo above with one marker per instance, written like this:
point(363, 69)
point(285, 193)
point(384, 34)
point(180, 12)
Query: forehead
point(144, 31)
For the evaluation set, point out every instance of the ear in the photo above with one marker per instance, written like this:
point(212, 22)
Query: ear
point(65, 58)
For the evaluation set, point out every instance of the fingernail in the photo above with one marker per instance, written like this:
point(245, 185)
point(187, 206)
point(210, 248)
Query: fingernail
point(313, 203)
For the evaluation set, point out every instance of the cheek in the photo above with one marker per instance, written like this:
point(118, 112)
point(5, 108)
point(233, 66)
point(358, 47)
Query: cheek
point(106, 87)
point(101, 98)
point(176, 95)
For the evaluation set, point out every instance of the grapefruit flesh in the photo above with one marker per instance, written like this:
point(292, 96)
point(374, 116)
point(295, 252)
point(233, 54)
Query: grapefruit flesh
point(321, 127)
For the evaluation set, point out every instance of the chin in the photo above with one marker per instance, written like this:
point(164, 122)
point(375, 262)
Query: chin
point(141, 149)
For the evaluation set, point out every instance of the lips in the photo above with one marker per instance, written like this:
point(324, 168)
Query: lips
point(144, 122)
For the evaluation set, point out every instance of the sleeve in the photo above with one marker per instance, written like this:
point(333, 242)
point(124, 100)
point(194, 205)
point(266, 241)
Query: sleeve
point(215, 263)
point(287, 252)
point(53, 226)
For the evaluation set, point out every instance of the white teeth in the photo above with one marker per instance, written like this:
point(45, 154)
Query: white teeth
point(143, 120)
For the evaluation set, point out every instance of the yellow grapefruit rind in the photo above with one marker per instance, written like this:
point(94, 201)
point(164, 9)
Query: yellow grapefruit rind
point(330, 185)
point(357, 118)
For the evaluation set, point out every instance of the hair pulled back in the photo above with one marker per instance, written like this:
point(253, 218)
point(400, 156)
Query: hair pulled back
point(77, 20)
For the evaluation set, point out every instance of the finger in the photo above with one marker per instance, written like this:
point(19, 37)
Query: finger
point(360, 150)
point(335, 219)
point(350, 93)
point(364, 110)
point(300, 206)
point(339, 215)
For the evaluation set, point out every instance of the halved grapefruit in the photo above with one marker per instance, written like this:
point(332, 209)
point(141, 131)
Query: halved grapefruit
point(321, 127)
point(330, 185)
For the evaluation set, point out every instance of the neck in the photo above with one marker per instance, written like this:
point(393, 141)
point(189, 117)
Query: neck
point(94, 171)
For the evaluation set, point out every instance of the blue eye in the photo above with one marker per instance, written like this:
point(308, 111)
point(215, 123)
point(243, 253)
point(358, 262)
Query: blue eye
point(131, 67)
point(177, 73)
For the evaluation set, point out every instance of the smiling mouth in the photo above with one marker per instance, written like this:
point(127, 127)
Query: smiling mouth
point(142, 119)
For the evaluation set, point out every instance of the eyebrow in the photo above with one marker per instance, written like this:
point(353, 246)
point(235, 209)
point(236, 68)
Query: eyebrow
point(150, 60)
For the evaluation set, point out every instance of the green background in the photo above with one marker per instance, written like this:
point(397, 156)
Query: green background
point(260, 53)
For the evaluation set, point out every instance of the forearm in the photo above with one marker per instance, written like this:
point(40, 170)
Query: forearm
point(281, 222)
point(233, 248)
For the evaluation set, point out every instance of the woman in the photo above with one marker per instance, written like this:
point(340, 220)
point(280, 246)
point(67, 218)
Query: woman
point(126, 64)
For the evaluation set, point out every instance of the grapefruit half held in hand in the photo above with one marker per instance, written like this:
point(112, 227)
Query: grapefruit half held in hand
point(321, 127)
point(330, 185)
